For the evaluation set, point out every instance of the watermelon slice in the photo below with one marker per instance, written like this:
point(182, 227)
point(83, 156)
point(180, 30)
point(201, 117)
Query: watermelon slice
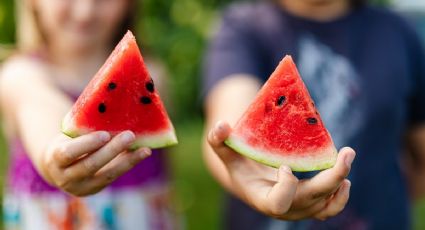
point(282, 125)
point(122, 96)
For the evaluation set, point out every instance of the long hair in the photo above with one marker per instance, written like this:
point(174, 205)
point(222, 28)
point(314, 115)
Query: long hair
point(28, 34)
point(30, 38)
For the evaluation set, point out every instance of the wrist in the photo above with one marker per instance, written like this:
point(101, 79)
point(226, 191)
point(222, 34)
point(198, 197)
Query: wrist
point(41, 164)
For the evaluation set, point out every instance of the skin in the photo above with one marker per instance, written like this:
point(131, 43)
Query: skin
point(414, 161)
point(79, 34)
point(318, 10)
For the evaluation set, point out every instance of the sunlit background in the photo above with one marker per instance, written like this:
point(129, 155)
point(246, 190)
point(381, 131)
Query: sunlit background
point(176, 32)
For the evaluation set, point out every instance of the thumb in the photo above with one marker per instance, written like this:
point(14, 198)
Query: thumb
point(216, 137)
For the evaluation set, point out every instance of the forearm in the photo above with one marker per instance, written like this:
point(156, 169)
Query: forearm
point(214, 164)
point(415, 161)
point(226, 102)
point(37, 128)
point(32, 107)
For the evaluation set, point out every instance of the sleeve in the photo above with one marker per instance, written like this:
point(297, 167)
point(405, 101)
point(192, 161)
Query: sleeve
point(417, 65)
point(233, 49)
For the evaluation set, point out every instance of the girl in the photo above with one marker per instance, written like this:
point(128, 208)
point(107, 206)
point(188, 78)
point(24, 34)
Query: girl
point(61, 45)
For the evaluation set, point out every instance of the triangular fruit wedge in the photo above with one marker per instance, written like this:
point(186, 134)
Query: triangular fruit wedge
point(283, 126)
point(122, 96)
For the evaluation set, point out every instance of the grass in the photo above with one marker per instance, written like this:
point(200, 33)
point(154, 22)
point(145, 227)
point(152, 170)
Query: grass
point(198, 195)
point(419, 215)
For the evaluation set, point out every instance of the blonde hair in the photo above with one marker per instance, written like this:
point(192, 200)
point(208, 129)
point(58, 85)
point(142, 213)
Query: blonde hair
point(28, 34)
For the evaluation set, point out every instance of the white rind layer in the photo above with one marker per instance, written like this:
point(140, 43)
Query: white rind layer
point(157, 140)
point(69, 128)
point(150, 140)
point(310, 161)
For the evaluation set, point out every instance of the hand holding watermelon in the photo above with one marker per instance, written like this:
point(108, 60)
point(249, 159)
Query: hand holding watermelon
point(282, 128)
point(88, 163)
point(121, 96)
point(277, 192)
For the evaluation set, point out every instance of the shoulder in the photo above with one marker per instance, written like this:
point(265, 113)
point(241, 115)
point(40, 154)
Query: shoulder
point(21, 69)
point(391, 27)
point(17, 74)
point(21, 64)
point(21, 77)
point(249, 11)
point(390, 19)
point(251, 16)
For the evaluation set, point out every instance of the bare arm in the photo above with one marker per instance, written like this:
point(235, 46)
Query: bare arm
point(274, 192)
point(415, 161)
point(34, 108)
point(227, 101)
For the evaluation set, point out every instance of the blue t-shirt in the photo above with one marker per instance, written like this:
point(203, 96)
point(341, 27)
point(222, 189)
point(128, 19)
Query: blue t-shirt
point(366, 74)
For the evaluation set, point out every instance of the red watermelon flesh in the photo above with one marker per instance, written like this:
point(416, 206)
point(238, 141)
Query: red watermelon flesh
point(283, 126)
point(122, 96)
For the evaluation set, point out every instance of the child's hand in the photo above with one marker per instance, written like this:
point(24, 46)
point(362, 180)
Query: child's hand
point(277, 192)
point(86, 164)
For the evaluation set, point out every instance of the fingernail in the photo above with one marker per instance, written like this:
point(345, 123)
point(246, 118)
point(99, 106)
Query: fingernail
point(104, 136)
point(349, 185)
point(144, 153)
point(127, 137)
point(286, 169)
point(220, 125)
point(349, 159)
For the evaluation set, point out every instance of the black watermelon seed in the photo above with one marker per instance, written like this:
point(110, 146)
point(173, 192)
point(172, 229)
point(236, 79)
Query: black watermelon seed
point(145, 100)
point(281, 100)
point(112, 86)
point(101, 108)
point(312, 120)
point(149, 86)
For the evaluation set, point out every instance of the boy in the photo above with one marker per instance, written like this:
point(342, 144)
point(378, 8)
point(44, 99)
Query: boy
point(365, 69)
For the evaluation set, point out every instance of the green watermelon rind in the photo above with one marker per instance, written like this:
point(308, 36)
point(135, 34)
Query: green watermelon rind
point(154, 141)
point(302, 164)
point(162, 139)
point(69, 129)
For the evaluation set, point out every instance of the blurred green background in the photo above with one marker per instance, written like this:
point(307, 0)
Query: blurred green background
point(176, 32)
